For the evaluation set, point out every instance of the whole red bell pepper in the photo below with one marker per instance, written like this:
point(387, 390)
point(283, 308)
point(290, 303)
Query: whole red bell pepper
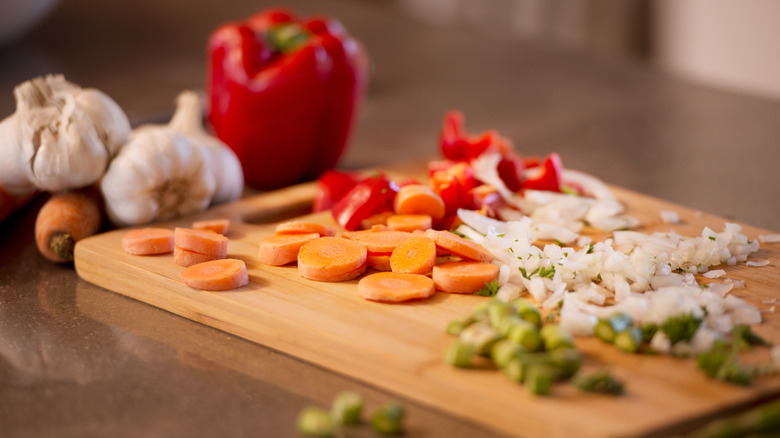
point(284, 94)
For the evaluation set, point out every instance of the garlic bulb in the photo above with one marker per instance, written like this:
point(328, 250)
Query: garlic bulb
point(223, 162)
point(60, 137)
point(162, 173)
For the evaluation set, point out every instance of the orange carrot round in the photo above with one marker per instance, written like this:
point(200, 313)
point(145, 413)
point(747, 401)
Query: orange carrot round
point(380, 241)
point(148, 241)
point(222, 274)
point(331, 259)
point(409, 222)
point(204, 242)
point(395, 287)
point(281, 249)
point(415, 256)
point(375, 219)
point(379, 261)
point(299, 227)
point(456, 245)
point(463, 277)
point(65, 219)
point(419, 199)
point(220, 226)
point(185, 257)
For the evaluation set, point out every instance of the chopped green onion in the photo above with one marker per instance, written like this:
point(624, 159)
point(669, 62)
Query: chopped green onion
point(555, 337)
point(347, 407)
point(315, 421)
point(601, 382)
point(459, 354)
point(388, 419)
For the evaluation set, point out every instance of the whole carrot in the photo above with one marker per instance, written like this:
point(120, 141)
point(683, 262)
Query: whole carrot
point(65, 219)
point(10, 203)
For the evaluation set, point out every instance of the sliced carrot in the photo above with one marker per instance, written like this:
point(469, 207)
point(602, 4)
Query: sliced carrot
point(376, 219)
point(379, 261)
point(299, 227)
point(395, 287)
point(332, 259)
point(204, 242)
point(419, 199)
point(380, 241)
point(65, 219)
point(454, 244)
point(222, 274)
point(415, 256)
point(185, 257)
point(463, 277)
point(220, 226)
point(409, 222)
point(148, 241)
point(281, 249)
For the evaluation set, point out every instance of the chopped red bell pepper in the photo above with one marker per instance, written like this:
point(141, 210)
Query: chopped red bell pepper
point(284, 94)
point(331, 187)
point(548, 177)
point(510, 170)
point(457, 145)
point(370, 196)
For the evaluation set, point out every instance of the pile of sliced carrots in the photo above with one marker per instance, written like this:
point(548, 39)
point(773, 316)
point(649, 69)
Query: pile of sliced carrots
point(404, 263)
point(201, 250)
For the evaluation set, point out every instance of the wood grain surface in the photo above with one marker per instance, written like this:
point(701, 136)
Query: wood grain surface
point(400, 347)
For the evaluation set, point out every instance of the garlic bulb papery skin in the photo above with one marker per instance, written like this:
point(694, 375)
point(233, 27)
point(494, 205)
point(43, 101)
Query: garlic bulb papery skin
point(60, 137)
point(159, 175)
point(223, 162)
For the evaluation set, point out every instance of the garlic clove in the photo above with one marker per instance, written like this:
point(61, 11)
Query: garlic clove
point(111, 123)
point(16, 173)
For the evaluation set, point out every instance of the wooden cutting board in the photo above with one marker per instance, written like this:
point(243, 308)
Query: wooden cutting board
point(400, 347)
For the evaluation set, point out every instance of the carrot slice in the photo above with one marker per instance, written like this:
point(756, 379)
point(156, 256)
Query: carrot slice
point(379, 261)
point(299, 227)
point(220, 226)
point(419, 199)
point(463, 277)
point(185, 257)
point(376, 219)
point(459, 246)
point(409, 222)
point(415, 256)
point(204, 242)
point(281, 249)
point(331, 259)
point(148, 241)
point(395, 287)
point(380, 241)
point(222, 274)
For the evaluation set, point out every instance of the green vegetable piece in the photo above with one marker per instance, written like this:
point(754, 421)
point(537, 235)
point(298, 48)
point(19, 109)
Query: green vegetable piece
point(649, 330)
point(489, 289)
point(457, 325)
point(629, 340)
point(504, 351)
point(607, 328)
point(600, 382)
point(388, 419)
point(527, 311)
point(481, 336)
point(498, 310)
point(680, 327)
point(568, 360)
point(721, 362)
point(315, 421)
point(526, 335)
point(763, 419)
point(555, 337)
point(459, 354)
point(515, 369)
point(480, 312)
point(347, 407)
point(745, 336)
point(539, 379)
point(506, 324)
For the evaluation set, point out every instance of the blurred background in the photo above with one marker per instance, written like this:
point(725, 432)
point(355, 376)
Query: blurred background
point(586, 78)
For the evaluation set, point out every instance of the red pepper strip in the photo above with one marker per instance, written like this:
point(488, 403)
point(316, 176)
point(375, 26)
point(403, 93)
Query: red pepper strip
point(284, 94)
point(373, 195)
point(549, 176)
point(456, 145)
point(510, 170)
point(331, 187)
